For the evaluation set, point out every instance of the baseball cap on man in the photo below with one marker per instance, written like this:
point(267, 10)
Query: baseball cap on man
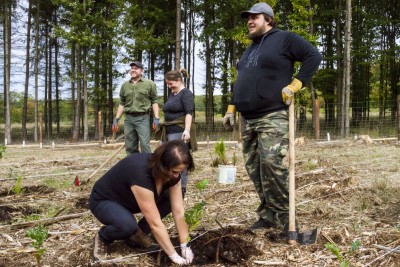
point(260, 8)
point(137, 64)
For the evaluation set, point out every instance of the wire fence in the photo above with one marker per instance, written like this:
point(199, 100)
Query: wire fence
point(377, 123)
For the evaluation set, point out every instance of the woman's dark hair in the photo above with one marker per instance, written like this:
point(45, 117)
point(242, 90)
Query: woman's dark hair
point(175, 75)
point(270, 20)
point(169, 155)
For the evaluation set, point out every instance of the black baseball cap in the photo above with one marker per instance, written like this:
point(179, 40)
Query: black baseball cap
point(260, 8)
point(137, 64)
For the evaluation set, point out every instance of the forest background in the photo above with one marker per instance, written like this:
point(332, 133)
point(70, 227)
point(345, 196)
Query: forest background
point(74, 50)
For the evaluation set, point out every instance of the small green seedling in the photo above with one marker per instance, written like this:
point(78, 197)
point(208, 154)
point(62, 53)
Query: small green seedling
point(343, 258)
point(193, 215)
point(38, 234)
point(220, 151)
point(234, 159)
point(17, 188)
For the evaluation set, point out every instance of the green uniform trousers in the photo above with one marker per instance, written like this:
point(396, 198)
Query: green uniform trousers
point(137, 130)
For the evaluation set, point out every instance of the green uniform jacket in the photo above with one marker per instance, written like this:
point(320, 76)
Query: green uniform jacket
point(138, 97)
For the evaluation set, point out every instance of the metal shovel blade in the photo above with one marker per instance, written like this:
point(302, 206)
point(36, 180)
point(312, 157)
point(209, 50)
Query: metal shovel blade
point(308, 238)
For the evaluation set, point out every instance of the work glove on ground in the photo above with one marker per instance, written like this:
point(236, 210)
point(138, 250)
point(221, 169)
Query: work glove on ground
point(177, 259)
point(115, 125)
point(186, 135)
point(156, 122)
point(187, 253)
point(229, 118)
point(289, 90)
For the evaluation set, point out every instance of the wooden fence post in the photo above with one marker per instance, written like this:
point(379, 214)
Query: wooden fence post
point(40, 130)
point(100, 124)
point(316, 119)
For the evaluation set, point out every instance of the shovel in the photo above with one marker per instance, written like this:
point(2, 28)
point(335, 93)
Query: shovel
point(304, 238)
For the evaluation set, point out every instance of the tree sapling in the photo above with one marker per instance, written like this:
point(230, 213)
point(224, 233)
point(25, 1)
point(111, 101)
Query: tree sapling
point(38, 234)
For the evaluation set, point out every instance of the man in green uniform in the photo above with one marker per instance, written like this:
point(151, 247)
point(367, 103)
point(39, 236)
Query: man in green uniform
point(137, 97)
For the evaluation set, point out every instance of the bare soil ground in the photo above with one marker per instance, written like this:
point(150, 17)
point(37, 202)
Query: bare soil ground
point(350, 190)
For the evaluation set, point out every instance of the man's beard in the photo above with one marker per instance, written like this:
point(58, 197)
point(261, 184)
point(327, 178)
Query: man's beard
point(257, 34)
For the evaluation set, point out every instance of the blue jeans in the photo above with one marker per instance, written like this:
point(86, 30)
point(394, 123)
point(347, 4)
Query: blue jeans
point(184, 174)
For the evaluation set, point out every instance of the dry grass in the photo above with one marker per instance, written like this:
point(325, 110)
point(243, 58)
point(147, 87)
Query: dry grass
point(350, 191)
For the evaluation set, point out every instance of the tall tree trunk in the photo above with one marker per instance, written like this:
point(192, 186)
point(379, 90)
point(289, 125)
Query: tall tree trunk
point(339, 63)
point(110, 85)
point(50, 88)
point(28, 42)
point(96, 91)
point(7, 69)
point(178, 36)
point(347, 71)
point(73, 79)
point(189, 42)
point(36, 70)
point(104, 85)
point(85, 99)
point(209, 88)
point(76, 128)
point(57, 76)
point(46, 77)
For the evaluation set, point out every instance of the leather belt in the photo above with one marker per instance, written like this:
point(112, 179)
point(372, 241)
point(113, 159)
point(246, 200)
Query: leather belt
point(136, 114)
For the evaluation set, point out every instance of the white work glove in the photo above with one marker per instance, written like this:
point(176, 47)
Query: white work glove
point(187, 253)
point(177, 259)
point(186, 135)
point(229, 118)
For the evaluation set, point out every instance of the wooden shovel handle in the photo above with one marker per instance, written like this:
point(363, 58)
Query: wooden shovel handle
point(292, 199)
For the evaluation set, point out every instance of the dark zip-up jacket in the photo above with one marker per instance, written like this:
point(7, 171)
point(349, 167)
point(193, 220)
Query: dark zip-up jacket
point(267, 66)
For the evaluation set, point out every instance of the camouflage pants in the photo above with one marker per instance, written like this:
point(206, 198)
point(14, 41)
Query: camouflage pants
point(265, 144)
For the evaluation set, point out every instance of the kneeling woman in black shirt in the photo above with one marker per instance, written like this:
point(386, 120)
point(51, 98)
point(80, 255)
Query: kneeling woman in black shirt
point(147, 183)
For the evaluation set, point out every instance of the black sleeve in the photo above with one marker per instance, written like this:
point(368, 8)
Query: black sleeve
point(307, 54)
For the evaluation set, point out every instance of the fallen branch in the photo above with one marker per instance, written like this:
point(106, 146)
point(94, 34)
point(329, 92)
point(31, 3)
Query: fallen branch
point(46, 221)
point(271, 263)
point(395, 250)
point(383, 255)
point(328, 238)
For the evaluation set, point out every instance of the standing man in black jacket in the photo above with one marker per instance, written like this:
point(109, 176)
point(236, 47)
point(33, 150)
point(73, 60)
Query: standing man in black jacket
point(264, 88)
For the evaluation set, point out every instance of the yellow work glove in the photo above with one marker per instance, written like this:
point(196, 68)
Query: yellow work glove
point(229, 118)
point(289, 90)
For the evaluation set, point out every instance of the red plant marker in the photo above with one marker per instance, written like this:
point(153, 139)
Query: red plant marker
point(76, 181)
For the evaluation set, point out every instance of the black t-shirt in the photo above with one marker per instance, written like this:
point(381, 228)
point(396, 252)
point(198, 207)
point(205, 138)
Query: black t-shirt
point(178, 106)
point(116, 184)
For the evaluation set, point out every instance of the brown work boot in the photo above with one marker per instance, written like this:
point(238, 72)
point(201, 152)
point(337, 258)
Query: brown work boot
point(101, 248)
point(142, 240)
